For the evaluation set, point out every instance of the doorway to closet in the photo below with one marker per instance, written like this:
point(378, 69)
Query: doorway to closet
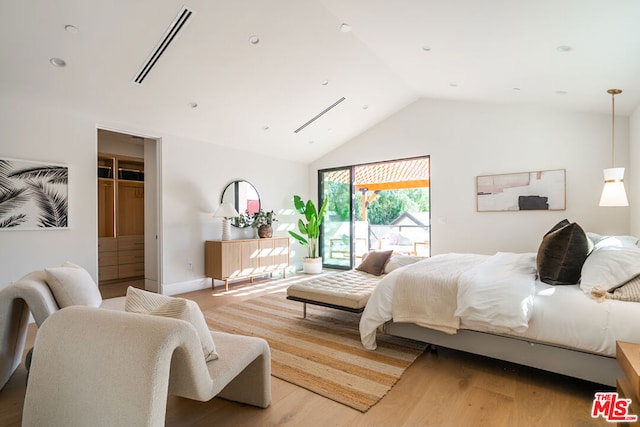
point(127, 212)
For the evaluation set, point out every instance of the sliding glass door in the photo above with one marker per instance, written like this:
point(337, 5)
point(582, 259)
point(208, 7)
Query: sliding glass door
point(336, 242)
point(372, 206)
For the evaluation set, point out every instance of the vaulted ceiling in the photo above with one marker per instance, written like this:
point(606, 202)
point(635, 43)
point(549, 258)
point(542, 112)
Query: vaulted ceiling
point(260, 70)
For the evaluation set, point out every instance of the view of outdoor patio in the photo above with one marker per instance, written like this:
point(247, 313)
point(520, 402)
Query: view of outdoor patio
point(386, 207)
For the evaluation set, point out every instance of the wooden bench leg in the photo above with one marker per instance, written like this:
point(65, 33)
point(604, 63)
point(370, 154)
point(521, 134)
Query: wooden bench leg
point(304, 310)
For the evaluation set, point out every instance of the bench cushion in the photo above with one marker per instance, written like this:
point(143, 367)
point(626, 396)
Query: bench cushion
point(350, 289)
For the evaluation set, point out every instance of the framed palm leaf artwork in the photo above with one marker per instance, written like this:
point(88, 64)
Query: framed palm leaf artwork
point(33, 195)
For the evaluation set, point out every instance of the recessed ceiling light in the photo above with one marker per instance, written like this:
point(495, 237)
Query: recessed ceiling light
point(564, 48)
point(365, 107)
point(325, 82)
point(345, 28)
point(265, 127)
point(453, 84)
point(254, 39)
point(71, 29)
point(561, 92)
point(515, 89)
point(193, 105)
point(58, 62)
point(426, 48)
point(311, 142)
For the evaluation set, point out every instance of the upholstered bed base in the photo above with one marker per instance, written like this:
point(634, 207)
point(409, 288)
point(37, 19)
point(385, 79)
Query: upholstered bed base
point(578, 364)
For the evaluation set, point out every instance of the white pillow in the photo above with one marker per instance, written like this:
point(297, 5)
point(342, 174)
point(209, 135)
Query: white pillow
point(139, 301)
point(609, 267)
point(397, 261)
point(621, 241)
point(73, 285)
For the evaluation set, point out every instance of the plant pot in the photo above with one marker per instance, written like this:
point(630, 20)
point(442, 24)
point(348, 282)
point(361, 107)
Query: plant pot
point(312, 265)
point(265, 230)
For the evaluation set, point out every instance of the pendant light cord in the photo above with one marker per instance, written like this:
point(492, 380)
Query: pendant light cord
point(613, 131)
point(613, 93)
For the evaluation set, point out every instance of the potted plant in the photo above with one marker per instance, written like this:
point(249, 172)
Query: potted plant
point(263, 222)
point(310, 229)
point(243, 220)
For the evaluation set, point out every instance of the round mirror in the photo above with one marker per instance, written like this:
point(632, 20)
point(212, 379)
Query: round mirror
point(243, 196)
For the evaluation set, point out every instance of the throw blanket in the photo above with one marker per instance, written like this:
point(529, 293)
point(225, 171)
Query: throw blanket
point(428, 296)
point(450, 291)
point(630, 291)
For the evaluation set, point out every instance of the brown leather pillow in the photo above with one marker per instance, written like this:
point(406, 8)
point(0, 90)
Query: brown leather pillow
point(374, 262)
point(561, 254)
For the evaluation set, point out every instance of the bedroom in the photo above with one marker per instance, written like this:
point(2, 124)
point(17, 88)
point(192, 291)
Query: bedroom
point(464, 138)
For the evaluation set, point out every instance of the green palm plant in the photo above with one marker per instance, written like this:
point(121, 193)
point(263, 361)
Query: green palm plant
point(310, 228)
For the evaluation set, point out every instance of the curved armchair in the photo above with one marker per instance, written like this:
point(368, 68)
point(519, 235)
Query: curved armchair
point(29, 294)
point(93, 366)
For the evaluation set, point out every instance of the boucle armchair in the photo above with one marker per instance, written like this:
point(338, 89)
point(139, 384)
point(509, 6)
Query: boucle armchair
point(102, 367)
point(30, 294)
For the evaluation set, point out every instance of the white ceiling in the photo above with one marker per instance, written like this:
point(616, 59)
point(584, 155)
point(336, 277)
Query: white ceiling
point(479, 51)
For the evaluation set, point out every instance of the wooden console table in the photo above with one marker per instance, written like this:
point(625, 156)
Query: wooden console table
point(236, 259)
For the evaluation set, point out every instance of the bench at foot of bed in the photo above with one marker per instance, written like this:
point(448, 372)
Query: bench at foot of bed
point(348, 291)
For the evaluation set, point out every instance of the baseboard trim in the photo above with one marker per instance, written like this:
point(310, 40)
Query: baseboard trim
point(188, 286)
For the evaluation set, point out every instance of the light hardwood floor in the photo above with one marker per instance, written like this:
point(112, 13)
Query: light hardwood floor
point(447, 388)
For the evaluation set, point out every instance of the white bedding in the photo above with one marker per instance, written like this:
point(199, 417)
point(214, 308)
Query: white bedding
point(559, 315)
point(432, 306)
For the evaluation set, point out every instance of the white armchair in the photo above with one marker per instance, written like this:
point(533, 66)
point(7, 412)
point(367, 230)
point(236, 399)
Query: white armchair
point(30, 294)
point(102, 367)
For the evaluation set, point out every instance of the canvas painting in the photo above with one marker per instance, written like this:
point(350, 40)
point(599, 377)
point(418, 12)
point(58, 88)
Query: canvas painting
point(538, 190)
point(33, 195)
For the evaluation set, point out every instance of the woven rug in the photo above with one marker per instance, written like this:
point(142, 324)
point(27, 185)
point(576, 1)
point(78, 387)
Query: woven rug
point(321, 353)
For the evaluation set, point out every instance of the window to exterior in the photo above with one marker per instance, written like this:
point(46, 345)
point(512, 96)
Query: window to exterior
point(374, 206)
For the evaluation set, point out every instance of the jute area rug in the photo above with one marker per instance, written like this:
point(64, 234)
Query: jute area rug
point(321, 353)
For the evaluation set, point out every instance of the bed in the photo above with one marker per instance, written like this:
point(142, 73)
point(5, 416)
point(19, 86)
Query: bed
point(508, 306)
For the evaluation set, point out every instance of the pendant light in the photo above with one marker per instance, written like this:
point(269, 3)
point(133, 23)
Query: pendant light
point(613, 193)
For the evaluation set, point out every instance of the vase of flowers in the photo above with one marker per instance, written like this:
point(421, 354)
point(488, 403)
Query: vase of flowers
point(263, 221)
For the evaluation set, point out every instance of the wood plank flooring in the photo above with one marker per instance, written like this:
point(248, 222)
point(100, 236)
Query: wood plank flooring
point(445, 388)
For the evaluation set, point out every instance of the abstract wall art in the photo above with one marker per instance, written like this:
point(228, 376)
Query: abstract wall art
point(537, 190)
point(33, 195)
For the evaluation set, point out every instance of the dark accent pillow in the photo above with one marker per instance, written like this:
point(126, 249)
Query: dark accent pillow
point(561, 254)
point(374, 262)
point(558, 226)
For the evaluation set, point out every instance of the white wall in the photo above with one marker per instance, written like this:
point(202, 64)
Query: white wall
point(194, 173)
point(632, 177)
point(37, 133)
point(465, 140)
point(194, 176)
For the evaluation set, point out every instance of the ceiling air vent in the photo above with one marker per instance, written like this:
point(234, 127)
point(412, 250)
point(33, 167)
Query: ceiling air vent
point(162, 45)
point(320, 114)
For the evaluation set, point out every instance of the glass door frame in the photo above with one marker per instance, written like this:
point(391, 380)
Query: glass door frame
point(321, 193)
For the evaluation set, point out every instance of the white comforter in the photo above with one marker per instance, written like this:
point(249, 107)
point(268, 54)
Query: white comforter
point(493, 293)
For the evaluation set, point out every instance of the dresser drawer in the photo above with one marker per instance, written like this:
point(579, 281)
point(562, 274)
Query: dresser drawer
point(131, 256)
point(130, 270)
point(107, 244)
point(106, 259)
point(107, 273)
point(127, 243)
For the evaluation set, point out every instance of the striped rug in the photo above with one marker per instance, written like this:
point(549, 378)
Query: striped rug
point(321, 353)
